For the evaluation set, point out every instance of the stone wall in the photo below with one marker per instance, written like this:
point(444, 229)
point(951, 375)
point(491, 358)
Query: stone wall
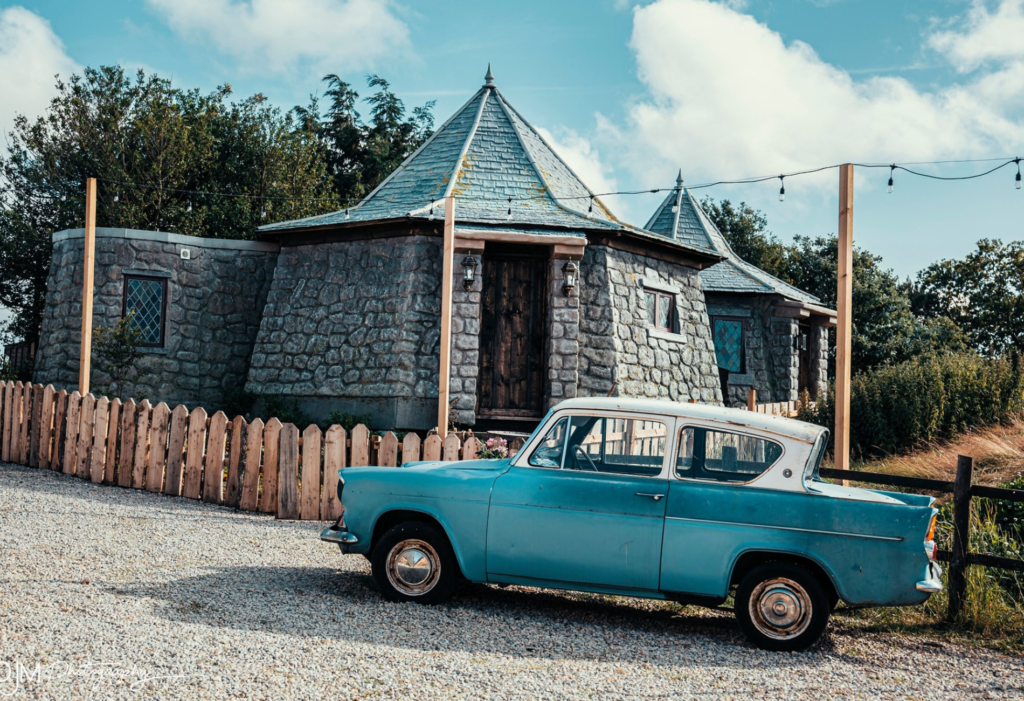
point(353, 327)
point(619, 353)
point(215, 301)
point(563, 337)
point(772, 361)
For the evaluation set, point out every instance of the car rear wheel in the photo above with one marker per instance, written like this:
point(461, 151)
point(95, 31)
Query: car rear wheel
point(414, 562)
point(781, 606)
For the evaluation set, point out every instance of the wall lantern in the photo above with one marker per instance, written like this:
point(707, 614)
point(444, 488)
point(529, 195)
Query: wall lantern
point(468, 272)
point(800, 342)
point(571, 272)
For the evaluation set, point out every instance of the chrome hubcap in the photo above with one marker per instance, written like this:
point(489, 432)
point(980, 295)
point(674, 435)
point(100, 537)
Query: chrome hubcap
point(780, 608)
point(413, 567)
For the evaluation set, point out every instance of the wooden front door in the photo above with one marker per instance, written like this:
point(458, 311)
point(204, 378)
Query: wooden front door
point(511, 383)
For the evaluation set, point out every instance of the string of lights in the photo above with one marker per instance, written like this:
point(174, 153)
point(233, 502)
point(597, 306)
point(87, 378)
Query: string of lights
point(349, 204)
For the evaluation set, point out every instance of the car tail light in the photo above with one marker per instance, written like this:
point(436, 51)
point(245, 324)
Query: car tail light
point(929, 540)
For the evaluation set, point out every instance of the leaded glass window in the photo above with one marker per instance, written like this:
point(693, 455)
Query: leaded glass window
point(728, 335)
point(144, 301)
point(660, 310)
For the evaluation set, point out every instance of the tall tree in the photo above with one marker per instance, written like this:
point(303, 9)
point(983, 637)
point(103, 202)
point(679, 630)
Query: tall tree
point(983, 293)
point(361, 154)
point(149, 143)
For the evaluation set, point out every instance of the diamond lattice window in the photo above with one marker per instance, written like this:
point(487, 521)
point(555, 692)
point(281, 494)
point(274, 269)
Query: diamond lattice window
point(144, 300)
point(728, 335)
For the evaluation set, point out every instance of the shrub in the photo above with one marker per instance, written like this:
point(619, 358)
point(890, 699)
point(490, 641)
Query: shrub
point(897, 407)
point(117, 350)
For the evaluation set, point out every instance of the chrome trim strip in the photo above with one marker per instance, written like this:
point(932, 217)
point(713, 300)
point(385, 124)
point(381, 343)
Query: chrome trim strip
point(785, 528)
point(334, 535)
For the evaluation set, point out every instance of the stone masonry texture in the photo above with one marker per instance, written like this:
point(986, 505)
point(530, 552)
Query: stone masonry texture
point(215, 302)
point(353, 326)
point(618, 353)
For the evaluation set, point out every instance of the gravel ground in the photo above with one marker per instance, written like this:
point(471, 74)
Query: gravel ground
point(116, 593)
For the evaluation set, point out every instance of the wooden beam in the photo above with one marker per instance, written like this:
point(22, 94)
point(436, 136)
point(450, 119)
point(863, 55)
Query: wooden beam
point(85, 355)
point(447, 280)
point(844, 302)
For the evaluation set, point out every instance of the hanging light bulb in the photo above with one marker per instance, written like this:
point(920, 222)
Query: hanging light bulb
point(63, 198)
point(782, 189)
point(264, 213)
point(347, 215)
point(1017, 184)
point(509, 209)
point(117, 197)
point(431, 215)
point(891, 169)
point(590, 209)
point(189, 206)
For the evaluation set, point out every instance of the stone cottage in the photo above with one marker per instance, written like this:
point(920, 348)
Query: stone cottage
point(768, 335)
point(554, 297)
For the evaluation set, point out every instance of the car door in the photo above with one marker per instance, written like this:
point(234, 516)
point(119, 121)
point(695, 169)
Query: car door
point(586, 507)
point(710, 507)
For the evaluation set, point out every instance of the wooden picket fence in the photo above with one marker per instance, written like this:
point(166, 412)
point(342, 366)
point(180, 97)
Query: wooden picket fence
point(254, 466)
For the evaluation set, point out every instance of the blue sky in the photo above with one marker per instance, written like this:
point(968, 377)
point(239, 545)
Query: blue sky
point(629, 93)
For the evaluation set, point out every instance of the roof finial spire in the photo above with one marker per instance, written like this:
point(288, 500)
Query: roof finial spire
point(679, 178)
point(489, 78)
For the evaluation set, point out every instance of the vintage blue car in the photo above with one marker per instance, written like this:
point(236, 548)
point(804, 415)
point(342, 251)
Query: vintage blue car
point(684, 502)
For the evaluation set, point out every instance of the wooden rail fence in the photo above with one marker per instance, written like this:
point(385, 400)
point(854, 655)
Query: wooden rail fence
point(963, 491)
point(255, 466)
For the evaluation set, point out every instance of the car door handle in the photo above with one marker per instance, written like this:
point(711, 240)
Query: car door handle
point(656, 497)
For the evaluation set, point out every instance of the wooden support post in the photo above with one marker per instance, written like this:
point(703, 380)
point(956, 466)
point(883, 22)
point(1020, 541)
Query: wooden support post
point(751, 400)
point(85, 356)
point(844, 302)
point(447, 280)
point(957, 580)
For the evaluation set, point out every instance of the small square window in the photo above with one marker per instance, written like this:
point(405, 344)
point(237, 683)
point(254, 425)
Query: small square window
point(661, 308)
point(145, 299)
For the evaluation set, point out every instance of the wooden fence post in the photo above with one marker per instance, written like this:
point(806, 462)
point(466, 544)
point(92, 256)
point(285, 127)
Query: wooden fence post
point(213, 473)
point(309, 496)
point(192, 485)
point(175, 446)
point(288, 473)
point(334, 460)
point(957, 581)
point(236, 447)
point(251, 475)
point(158, 429)
point(751, 400)
point(271, 445)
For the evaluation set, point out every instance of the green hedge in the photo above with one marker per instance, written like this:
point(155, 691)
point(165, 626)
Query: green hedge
point(898, 407)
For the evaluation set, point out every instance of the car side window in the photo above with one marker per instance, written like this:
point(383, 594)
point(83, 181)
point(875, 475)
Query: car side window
point(548, 452)
point(616, 445)
point(725, 456)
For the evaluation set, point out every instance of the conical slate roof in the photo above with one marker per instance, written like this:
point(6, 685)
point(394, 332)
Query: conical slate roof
point(682, 219)
point(483, 155)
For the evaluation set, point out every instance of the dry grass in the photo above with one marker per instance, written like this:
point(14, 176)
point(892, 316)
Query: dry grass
point(998, 453)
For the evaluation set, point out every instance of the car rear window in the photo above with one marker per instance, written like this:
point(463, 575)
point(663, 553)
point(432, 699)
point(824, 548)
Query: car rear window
point(725, 456)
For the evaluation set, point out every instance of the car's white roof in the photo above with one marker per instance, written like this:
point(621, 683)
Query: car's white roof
point(800, 430)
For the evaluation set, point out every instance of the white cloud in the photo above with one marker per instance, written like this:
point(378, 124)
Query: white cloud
point(579, 153)
point(281, 35)
point(726, 96)
point(986, 35)
point(30, 56)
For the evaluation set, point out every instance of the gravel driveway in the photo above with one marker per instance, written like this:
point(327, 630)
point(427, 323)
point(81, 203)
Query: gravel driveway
point(117, 593)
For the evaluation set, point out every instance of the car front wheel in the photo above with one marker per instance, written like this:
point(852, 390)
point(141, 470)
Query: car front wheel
point(781, 606)
point(414, 562)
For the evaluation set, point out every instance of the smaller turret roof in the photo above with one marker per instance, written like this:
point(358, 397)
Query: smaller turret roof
point(681, 218)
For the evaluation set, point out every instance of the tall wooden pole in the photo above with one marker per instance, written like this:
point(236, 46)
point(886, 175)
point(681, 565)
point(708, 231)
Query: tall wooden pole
point(844, 303)
point(447, 281)
point(85, 358)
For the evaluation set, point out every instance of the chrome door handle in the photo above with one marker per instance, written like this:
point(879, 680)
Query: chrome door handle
point(656, 497)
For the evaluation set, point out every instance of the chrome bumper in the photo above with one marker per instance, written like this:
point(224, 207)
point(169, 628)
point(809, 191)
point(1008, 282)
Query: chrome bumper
point(933, 584)
point(338, 534)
